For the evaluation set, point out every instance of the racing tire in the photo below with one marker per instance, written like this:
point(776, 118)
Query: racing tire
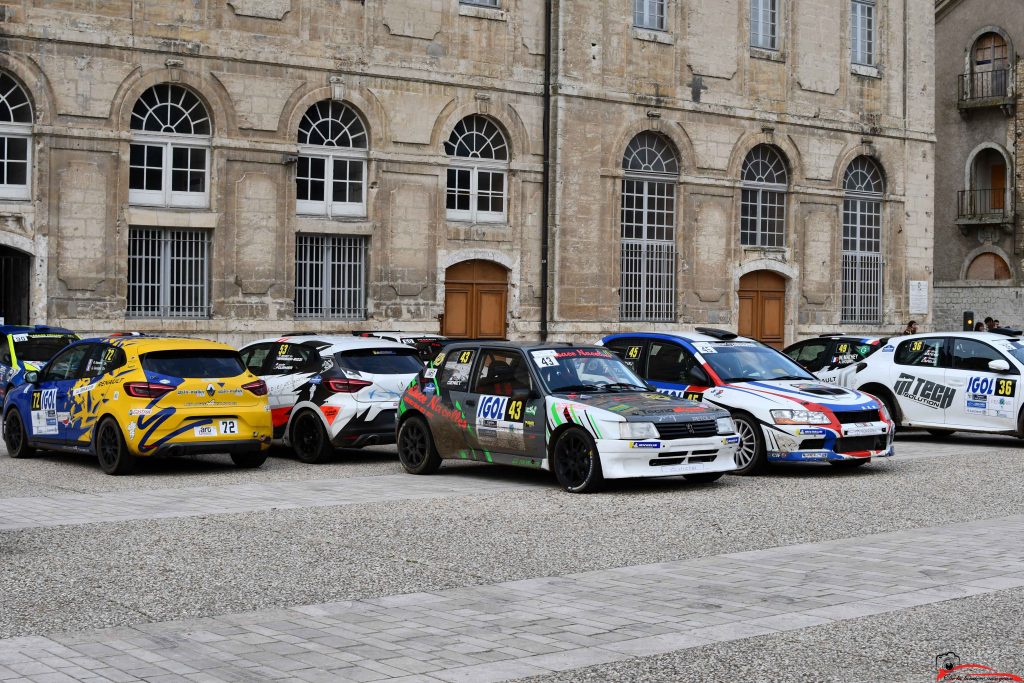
point(849, 464)
point(941, 433)
point(15, 437)
point(112, 451)
point(577, 464)
point(703, 477)
point(751, 455)
point(248, 461)
point(309, 439)
point(416, 449)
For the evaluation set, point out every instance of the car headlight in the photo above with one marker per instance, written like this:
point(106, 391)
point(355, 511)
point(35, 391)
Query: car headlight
point(725, 425)
point(636, 431)
point(799, 417)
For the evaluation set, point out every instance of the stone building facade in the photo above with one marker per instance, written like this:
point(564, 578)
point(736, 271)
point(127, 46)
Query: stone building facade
point(255, 167)
point(978, 83)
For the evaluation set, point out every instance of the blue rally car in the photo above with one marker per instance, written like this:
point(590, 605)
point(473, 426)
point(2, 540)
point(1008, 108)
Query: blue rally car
point(25, 349)
point(782, 412)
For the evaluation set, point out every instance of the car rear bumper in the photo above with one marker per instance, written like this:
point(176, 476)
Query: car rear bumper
point(226, 447)
point(363, 430)
point(657, 458)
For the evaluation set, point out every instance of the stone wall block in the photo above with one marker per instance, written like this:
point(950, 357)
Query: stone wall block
point(81, 225)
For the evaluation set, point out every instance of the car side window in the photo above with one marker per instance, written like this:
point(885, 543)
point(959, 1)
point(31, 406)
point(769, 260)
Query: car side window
point(292, 358)
point(672, 363)
point(68, 363)
point(102, 360)
point(455, 373)
point(971, 354)
point(812, 355)
point(631, 352)
point(501, 372)
point(927, 353)
point(255, 357)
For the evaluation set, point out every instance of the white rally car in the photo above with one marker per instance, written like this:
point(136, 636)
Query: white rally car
point(782, 412)
point(331, 392)
point(949, 381)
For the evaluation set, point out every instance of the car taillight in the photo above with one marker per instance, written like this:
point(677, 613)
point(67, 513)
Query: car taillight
point(146, 389)
point(259, 387)
point(347, 386)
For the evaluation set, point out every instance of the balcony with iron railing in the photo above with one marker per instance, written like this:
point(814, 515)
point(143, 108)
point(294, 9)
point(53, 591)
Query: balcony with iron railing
point(985, 89)
point(984, 207)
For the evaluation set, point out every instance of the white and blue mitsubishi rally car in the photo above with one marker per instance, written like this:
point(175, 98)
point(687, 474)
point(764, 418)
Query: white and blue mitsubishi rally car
point(782, 412)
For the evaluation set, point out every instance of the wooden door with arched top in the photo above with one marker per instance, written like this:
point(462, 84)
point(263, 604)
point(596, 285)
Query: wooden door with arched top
point(475, 300)
point(763, 307)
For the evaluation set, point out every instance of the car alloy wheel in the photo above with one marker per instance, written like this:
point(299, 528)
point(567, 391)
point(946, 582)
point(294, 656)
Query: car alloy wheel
point(111, 449)
point(577, 466)
point(416, 449)
point(15, 437)
point(750, 454)
point(309, 438)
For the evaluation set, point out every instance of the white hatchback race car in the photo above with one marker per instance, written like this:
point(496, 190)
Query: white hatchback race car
point(782, 412)
point(330, 392)
point(949, 381)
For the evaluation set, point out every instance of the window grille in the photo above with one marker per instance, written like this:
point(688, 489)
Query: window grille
point(763, 24)
point(862, 32)
point(763, 198)
point(477, 177)
point(15, 136)
point(647, 253)
point(864, 188)
point(168, 273)
point(649, 14)
point(482, 3)
point(330, 179)
point(330, 277)
point(169, 157)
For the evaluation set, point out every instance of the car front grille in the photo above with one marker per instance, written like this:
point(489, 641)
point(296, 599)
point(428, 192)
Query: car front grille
point(686, 430)
point(851, 444)
point(846, 417)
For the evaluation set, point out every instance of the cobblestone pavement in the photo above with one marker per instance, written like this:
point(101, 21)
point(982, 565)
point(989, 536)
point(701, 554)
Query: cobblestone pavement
point(482, 574)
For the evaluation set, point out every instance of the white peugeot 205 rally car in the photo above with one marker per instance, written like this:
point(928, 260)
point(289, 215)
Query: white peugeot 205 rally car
point(330, 392)
point(949, 381)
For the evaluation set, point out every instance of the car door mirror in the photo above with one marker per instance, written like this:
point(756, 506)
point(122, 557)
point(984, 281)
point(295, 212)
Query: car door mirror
point(32, 377)
point(998, 365)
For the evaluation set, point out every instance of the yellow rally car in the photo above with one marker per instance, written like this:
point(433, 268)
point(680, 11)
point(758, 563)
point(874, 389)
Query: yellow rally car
point(123, 397)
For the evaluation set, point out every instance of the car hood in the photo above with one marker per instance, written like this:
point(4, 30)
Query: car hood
point(641, 407)
point(799, 391)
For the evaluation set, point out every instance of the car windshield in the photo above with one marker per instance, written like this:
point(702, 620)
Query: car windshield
point(1014, 347)
point(585, 369)
point(381, 361)
point(39, 348)
point(194, 363)
point(745, 361)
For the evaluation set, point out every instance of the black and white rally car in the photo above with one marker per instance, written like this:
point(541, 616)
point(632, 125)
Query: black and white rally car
point(331, 392)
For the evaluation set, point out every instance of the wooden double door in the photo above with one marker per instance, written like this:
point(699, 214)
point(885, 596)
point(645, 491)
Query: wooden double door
point(763, 307)
point(475, 300)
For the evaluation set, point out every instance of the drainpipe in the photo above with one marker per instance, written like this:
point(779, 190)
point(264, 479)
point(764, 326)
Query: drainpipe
point(545, 226)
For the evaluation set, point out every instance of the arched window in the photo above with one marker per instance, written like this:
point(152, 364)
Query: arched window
point(170, 149)
point(990, 62)
point(989, 266)
point(763, 201)
point(477, 173)
point(331, 176)
point(863, 189)
point(15, 139)
point(648, 251)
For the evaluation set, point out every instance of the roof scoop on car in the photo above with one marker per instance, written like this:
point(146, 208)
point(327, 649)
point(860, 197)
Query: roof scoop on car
point(717, 333)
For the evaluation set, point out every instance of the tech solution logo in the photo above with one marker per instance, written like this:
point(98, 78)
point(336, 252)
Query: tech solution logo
point(948, 667)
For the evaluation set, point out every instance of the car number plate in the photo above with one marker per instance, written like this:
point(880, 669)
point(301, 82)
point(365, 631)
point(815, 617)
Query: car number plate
point(864, 429)
point(678, 469)
point(228, 427)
